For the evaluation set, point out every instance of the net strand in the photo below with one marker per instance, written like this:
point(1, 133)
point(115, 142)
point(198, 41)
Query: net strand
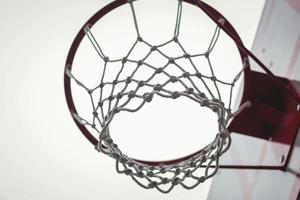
point(178, 19)
point(134, 18)
point(94, 41)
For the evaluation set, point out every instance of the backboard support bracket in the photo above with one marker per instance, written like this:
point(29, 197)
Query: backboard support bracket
point(274, 115)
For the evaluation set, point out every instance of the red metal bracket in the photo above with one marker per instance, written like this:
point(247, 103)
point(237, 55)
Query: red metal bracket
point(273, 114)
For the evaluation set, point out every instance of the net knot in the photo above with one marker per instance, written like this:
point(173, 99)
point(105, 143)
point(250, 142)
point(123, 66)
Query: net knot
point(141, 83)
point(95, 114)
point(148, 97)
point(100, 104)
point(153, 48)
point(173, 79)
point(206, 54)
point(101, 85)
point(152, 184)
point(186, 55)
point(128, 172)
point(175, 39)
point(186, 74)
point(158, 87)
point(140, 174)
point(175, 95)
point(110, 98)
point(164, 180)
point(198, 75)
point(190, 90)
point(106, 59)
point(171, 61)
point(140, 39)
point(176, 181)
point(204, 103)
point(131, 94)
point(119, 95)
point(159, 70)
point(128, 80)
point(123, 160)
point(139, 63)
point(124, 60)
point(116, 110)
point(213, 78)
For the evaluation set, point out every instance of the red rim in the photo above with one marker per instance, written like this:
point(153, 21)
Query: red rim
point(210, 11)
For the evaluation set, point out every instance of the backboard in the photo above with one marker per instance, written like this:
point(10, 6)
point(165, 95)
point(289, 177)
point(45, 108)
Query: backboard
point(277, 44)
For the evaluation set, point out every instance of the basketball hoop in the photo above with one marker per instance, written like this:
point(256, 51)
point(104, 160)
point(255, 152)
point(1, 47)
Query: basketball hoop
point(162, 175)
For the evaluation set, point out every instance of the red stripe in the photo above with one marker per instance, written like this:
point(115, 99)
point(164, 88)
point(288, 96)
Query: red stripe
point(294, 58)
point(268, 17)
point(295, 189)
point(248, 186)
point(295, 4)
point(263, 27)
